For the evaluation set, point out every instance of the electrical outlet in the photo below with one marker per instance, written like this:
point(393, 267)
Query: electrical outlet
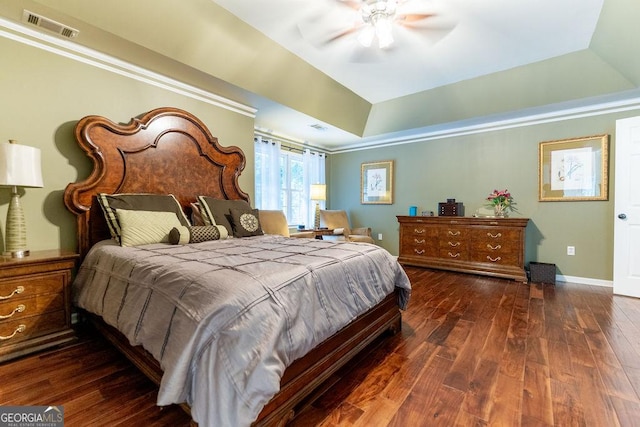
point(379, 236)
point(571, 250)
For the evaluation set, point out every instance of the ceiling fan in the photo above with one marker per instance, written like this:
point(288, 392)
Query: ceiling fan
point(374, 20)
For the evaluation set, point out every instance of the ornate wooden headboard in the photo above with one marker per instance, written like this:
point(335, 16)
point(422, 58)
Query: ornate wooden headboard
point(165, 151)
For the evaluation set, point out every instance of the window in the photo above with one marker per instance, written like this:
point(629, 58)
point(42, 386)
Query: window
point(292, 193)
point(284, 177)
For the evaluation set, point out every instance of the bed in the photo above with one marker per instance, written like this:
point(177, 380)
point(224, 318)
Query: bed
point(140, 296)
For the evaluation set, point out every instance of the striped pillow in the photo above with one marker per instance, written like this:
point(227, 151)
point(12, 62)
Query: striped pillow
point(145, 227)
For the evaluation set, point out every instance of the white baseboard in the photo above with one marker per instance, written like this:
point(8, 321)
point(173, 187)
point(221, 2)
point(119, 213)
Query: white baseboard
point(584, 281)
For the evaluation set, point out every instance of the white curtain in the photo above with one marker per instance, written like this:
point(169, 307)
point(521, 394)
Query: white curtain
point(267, 181)
point(314, 173)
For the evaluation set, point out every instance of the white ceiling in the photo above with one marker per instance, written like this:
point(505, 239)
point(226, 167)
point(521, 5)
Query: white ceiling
point(464, 40)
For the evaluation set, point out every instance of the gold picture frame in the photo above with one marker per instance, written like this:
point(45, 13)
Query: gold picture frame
point(574, 169)
point(376, 183)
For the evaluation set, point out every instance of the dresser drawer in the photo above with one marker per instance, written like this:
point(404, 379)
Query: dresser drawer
point(16, 330)
point(495, 256)
point(495, 234)
point(421, 245)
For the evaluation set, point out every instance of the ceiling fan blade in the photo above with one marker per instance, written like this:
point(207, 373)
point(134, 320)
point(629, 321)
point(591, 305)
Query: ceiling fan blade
point(353, 4)
point(320, 37)
point(414, 19)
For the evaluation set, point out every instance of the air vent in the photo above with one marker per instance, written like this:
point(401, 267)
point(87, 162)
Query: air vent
point(319, 127)
point(49, 24)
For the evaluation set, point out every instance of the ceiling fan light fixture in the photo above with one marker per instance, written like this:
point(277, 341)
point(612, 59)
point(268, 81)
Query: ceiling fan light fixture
point(383, 32)
point(366, 36)
point(378, 15)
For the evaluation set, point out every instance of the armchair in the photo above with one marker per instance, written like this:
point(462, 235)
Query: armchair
point(337, 221)
point(275, 222)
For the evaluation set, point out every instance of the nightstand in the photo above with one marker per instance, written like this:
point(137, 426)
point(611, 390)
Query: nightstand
point(35, 302)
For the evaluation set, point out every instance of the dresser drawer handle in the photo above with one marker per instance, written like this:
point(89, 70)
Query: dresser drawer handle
point(419, 251)
point(493, 259)
point(454, 244)
point(419, 231)
point(18, 290)
point(19, 329)
point(495, 236)
point(456, 255)
point(494, 248)
point(454, 233)
point(19, 309)
point(419, 241)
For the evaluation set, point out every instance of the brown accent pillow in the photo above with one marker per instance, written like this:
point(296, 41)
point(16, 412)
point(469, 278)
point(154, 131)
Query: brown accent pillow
point(218, 211)
point(196, 234)
point(246, 222)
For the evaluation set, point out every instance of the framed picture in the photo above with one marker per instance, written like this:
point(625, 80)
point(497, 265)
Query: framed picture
point(376, 183)
point(574, 169)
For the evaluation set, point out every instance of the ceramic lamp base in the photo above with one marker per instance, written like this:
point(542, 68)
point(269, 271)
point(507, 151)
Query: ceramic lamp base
point(16, 243)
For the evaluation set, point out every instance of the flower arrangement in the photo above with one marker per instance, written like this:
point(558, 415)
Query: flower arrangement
point(501, 202)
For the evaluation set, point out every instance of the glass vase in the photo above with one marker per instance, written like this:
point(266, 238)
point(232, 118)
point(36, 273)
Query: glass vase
point(499, 211)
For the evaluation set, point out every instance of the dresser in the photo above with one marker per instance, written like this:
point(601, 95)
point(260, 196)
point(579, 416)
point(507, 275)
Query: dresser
point(35, 302)
point(488, 246)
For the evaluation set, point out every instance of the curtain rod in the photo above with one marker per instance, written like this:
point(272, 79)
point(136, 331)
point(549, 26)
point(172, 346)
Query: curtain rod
point(289, 147)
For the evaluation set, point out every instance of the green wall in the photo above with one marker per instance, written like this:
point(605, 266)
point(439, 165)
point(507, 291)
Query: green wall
point(468, 168)
point(43, 97)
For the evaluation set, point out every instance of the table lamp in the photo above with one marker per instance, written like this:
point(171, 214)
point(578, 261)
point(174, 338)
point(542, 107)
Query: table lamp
point(318, 193)
point(20, 166)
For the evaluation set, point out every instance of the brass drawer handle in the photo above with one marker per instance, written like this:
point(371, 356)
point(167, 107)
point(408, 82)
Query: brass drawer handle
point(456, 255)
point(454, 233)
point(18, 290)
point(419, 241)
point(495, 236)
point(419, 251)
point(493, 259)
point(494, 248)
point(419, 231)
point(19, 309)
point(454, 244)
point(19, 329)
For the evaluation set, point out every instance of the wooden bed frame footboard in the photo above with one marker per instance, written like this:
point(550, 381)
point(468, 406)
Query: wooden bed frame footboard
point(170, 151)
point(305, 376)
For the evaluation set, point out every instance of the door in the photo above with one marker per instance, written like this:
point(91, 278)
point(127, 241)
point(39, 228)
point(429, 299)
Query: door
point(626, 251)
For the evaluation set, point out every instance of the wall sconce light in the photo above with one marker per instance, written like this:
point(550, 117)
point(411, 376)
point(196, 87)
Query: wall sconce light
point(20, 166)
point(318, 193)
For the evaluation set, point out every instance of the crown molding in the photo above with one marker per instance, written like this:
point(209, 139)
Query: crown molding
point(589, 107)
point(22, 34)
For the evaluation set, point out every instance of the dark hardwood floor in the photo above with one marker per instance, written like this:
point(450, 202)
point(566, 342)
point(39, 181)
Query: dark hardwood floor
point(473, 351)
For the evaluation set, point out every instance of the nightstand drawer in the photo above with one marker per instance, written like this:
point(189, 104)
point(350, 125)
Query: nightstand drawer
point(17, 330)
point(28, 286)
point(30, 306)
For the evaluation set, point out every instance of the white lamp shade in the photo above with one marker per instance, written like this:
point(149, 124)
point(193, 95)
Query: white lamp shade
point(318, 192)
point(20, 165)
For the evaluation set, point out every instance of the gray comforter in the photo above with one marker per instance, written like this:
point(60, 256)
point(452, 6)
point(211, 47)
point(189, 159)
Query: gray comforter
point(225, 318)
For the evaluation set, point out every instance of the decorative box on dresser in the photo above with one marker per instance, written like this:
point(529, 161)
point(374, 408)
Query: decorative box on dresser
point(35, 302)
point(488, 246)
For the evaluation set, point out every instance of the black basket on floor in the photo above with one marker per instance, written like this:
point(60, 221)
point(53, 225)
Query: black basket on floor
point(542, 272)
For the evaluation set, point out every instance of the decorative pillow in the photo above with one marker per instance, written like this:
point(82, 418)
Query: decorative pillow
point(218, 211)
point(246, 222)
point(145, 227)
point(197, 234)
point(137, 202)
